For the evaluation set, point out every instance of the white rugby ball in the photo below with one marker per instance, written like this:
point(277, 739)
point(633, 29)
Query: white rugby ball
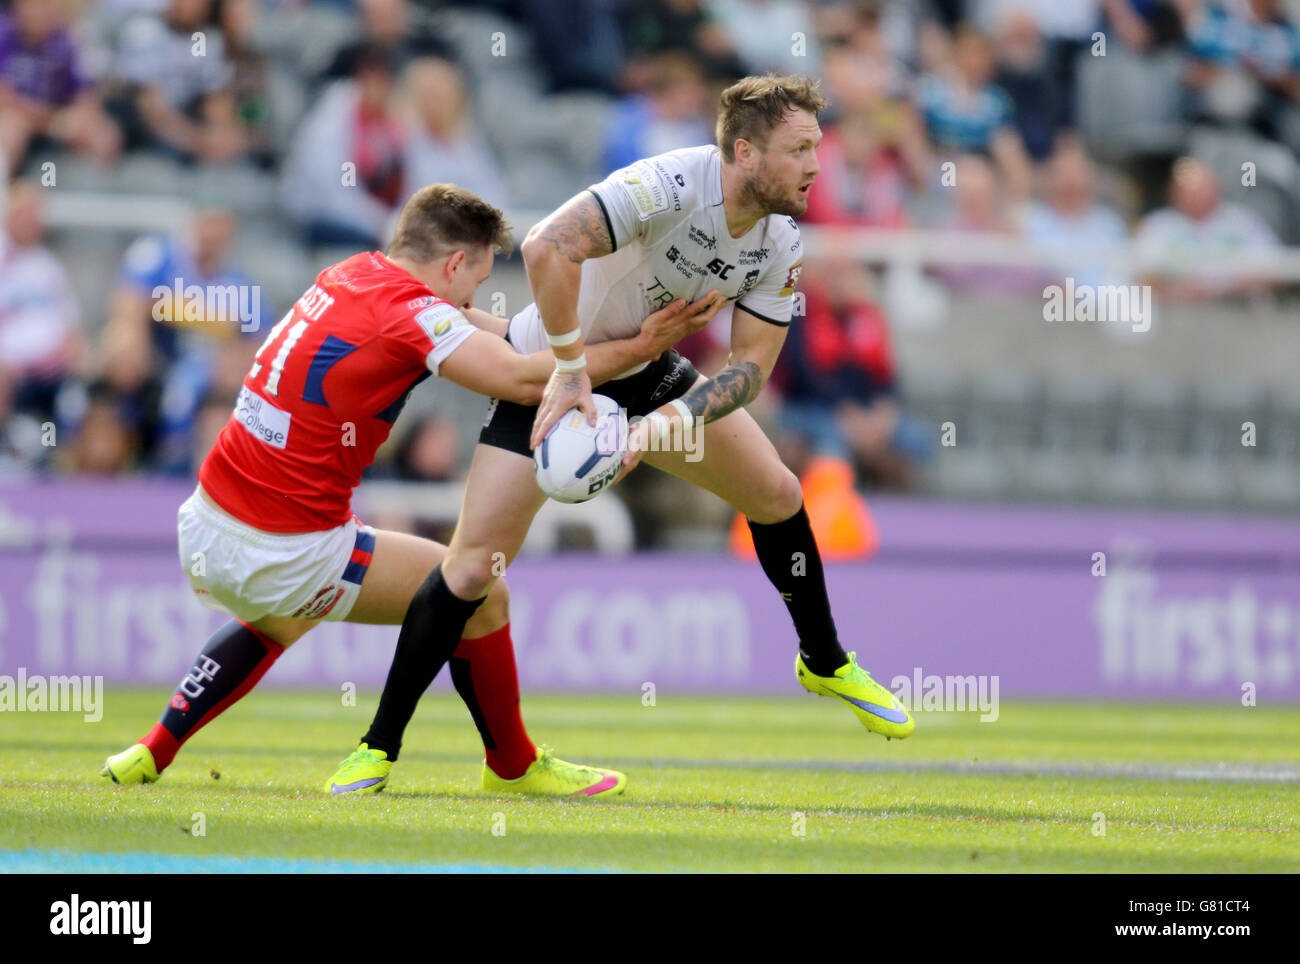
point(576, 461)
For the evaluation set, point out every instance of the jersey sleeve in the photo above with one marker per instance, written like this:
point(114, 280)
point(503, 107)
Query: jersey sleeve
point(147, 263)
point(646, 199)
point(424, 329)
point(772, 298)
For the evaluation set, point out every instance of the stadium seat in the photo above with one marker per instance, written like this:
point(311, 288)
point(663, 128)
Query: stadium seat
point(1153, 416)
point(1197, 481)
point(1005, 409)
point(1220, 409)
point(1277, 175)
point(1080, 412)
point(1130, 105)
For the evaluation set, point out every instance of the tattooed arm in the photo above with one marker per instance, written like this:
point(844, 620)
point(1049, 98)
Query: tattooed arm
point(755, 345)
point(553, 254)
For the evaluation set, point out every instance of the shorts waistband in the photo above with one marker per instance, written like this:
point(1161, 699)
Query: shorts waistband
point(219, 518)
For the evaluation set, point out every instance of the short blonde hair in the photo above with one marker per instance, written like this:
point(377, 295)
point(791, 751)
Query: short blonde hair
point(754, 107)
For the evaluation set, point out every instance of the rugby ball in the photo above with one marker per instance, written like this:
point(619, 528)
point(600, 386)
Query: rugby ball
point(576, 461)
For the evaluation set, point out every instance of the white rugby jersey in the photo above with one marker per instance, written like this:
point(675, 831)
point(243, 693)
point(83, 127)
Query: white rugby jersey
point(671, 241)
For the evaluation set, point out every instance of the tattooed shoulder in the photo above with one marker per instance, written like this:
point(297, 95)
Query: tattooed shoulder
point(578, 230)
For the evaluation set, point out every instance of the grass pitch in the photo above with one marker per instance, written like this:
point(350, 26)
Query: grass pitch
point(715, 784)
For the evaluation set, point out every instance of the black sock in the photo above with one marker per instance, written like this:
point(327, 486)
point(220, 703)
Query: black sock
point(233, 660)
point(789, 556)
point(432, 629)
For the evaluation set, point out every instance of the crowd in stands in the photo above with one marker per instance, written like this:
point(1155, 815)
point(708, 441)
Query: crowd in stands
point(960, 115)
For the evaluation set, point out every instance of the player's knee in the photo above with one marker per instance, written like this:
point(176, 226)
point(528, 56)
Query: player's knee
point(470, 574)
point(779, 500)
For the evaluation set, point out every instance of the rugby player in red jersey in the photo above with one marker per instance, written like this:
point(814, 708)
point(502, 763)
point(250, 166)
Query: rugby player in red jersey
point(269, 535)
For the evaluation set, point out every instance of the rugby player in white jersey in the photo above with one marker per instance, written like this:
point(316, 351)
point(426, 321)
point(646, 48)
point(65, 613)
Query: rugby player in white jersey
point(663, 229)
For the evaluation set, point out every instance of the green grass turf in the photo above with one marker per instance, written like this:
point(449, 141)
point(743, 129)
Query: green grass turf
point(716, 784)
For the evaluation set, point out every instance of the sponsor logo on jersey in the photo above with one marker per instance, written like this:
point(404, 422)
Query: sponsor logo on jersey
point(702, 238)
point(646, 189)
point(658, 295)
point(683, 264)
point(439, 320)
point(752, 256)
point(751, 279)
point(791, 279)
point(261, 419)
point(720, 268)
point(416, 304)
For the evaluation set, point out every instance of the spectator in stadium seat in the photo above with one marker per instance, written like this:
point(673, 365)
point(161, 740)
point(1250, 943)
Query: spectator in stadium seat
point(863, 180)
point(343, 175)
point(670, 114)
point(250, 75)
point(209, 419)
point(168, 98)
point(838, 380)
point(45, 94)
point(105, 438)
point(770, 35)
point(578, 43)
point(1026, 73)
point(429, 451)
point(965, 112)
point(160, 358)
point(40, 320)
point(980, 209)
point(1143, 24)
point(401, 31)
point(1246, 62)
point(444, 144)
point(1069, 218)
point(1200, 229)
point(886, 30)
point(653, 27)
point(876, 154)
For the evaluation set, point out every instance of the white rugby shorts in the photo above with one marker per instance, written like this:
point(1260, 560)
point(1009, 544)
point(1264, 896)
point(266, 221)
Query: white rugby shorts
point(249, 573)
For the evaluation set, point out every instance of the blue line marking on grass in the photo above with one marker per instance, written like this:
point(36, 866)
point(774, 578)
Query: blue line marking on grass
point(72, 862)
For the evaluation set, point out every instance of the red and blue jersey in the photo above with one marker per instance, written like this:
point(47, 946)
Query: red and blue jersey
point(323, 393)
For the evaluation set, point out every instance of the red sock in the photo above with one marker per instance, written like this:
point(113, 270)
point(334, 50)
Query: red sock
point(483, 672)
point(232, 662)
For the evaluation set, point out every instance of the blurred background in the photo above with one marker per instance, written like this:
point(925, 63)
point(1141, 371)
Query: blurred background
point(975, 153)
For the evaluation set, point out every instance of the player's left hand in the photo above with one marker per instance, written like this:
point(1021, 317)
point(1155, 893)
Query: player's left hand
point(667, 326)
point(564, 390)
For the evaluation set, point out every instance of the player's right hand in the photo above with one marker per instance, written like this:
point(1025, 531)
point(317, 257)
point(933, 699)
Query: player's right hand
point(564, 390)
point(638, 441)
point(670, 324)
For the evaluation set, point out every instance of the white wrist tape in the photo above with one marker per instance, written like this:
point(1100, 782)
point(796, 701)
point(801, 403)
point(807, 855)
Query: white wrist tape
point(571, 364)
point(688, 417)
point(568, 338)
